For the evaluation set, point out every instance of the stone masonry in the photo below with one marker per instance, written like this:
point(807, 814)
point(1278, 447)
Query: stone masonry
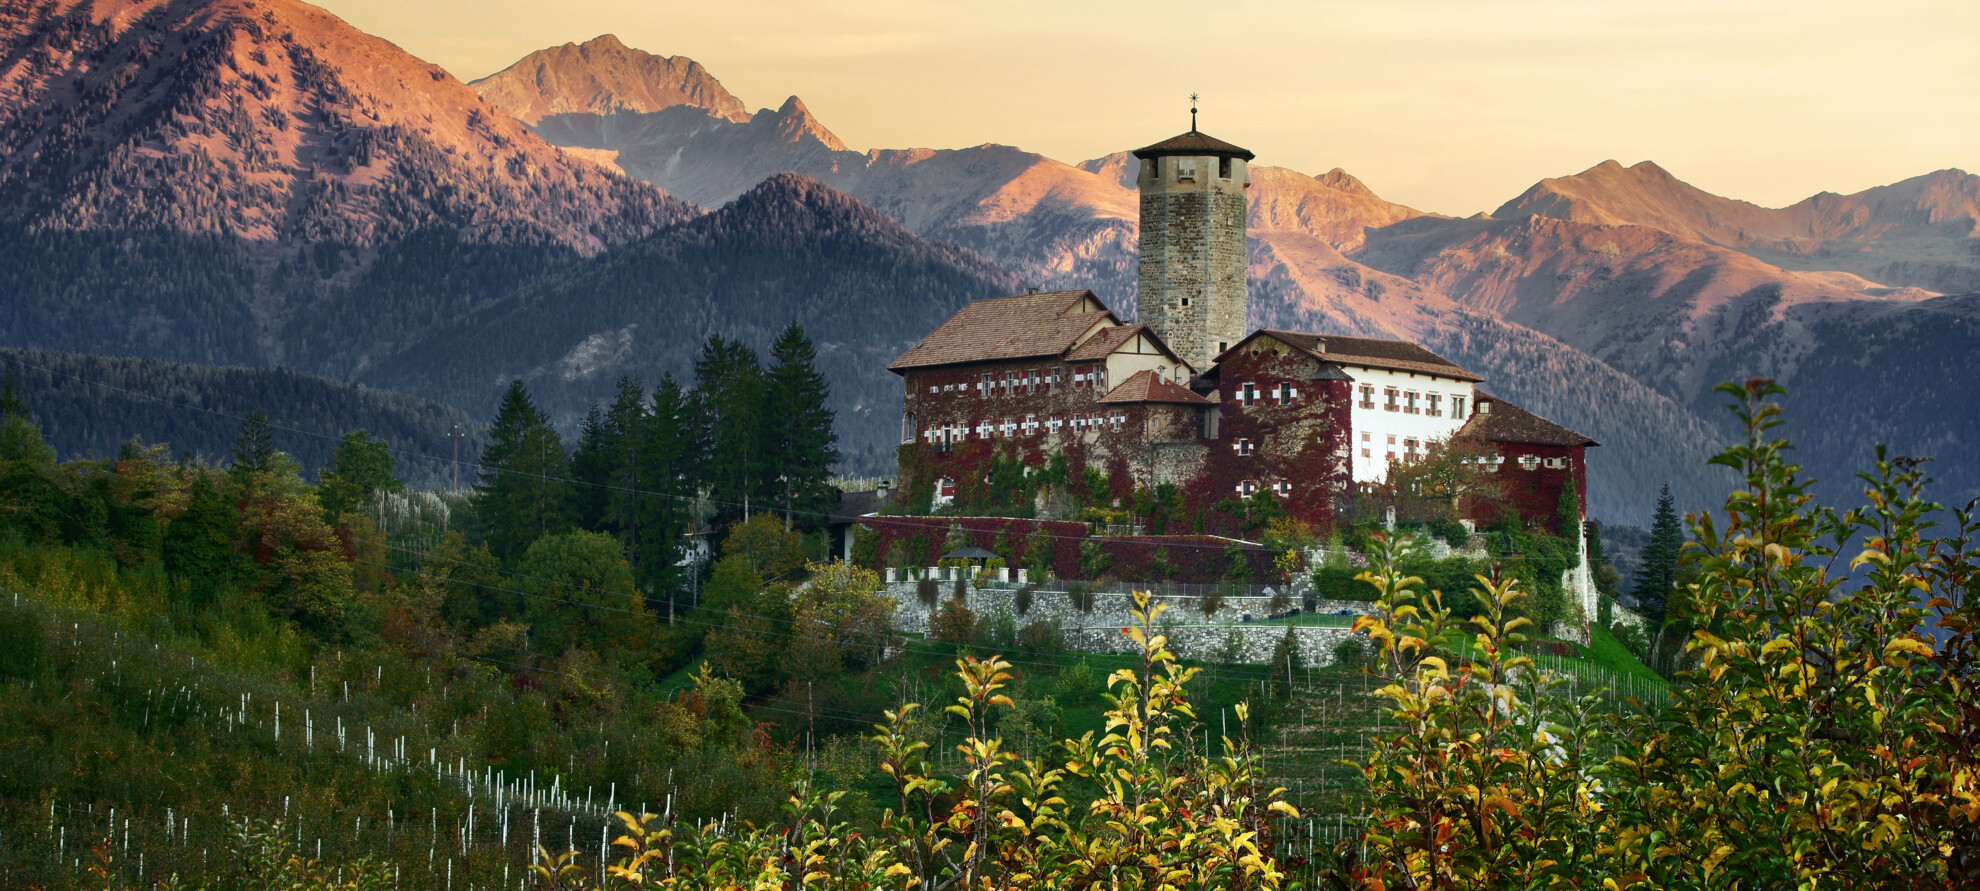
point(1192, 264)
point(1218, 636)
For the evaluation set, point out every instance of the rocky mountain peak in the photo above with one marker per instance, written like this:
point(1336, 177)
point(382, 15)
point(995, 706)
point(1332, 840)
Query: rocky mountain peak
point(795, 122)
point(604, 76)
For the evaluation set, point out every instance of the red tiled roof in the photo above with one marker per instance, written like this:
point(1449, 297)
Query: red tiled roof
point(1193, 143)
point(1147, 386)
point(1368, 352)
point(1506, 422)
point(1017, 327)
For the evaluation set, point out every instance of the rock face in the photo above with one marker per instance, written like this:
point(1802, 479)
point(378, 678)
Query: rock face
point(604, 76)
point(273, 120)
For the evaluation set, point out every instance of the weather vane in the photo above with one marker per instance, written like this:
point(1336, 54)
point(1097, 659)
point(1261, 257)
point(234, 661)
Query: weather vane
point(1192, 112)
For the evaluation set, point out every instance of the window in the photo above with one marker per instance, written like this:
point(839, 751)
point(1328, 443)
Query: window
point(1409, 403)
point(1100, 377)
point(1434, 405)
point(1030, 424)
point(1052, 425)
point(1282, 488)
point(1284, 393)
point(1154, 168)
point(1222, 345)
point(934, 389)
point(1119, 419)
point(1247, 488)
point(1409, 451)
point(1529, 462)
point(1457, 407)
point(1079, 376)
point(1555, 463)
point(1031, 381)
point(1365, 454)
point(1185, 301)
point(945, 489)
point(908, 428)
point(1367, 396)
point(1058, 378)
point(1224, 168)
point(1186, 170)
point(1390, 393)
point(983, 386)
point(1248, 393)
point(1243, 447)
point(1392, 439)
point(1364, 436)
point(1010, 382)
point(983, 429)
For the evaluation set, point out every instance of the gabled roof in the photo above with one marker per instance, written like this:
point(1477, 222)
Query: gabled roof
point(1147, 386)
point(1496, 420)
point(1367, 352)
point(1193, 143)
point(1107, 341)
point(1003, 328)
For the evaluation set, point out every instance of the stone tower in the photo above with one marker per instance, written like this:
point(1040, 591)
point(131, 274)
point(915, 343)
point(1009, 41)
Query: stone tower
point(1192, 276)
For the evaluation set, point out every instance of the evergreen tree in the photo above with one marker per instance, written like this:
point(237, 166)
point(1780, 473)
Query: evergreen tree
point(254, 449)
point(626, 424)
point(361, 468)
point(1656, 577)
point(1567, 513)
point(668, 479)
point(522, 495)
point(591, 471)
point(728, 384)
point(802, 445)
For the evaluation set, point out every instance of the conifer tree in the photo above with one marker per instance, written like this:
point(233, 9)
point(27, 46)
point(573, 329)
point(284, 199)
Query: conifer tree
point(625, 424)
point(591, 471)
point(1567, 513)
point(728, 385)
point(255, 447)
point(522, 495)
point(802, 445)
point(1656, 576)
point(668, 480)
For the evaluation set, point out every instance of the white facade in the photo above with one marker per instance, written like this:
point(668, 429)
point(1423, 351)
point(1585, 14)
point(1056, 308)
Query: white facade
point(1426, 408)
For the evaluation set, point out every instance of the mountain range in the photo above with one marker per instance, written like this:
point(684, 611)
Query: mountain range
point(256, 182)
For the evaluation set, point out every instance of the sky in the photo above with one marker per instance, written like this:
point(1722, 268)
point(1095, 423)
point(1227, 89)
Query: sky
point(1450, 106)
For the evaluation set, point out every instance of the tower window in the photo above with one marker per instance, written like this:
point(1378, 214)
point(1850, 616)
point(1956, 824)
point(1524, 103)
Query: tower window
point(1154, 168)
point(1224, 168)
point(1185, 301)
point(1223, 345)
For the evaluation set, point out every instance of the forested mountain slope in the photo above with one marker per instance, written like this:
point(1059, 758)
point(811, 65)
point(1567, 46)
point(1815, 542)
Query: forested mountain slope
point(94, 405)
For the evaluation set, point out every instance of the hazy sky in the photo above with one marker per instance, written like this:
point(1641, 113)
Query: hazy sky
point(1452, 106)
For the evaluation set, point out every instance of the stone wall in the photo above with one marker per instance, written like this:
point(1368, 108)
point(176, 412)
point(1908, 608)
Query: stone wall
point(1192, 634)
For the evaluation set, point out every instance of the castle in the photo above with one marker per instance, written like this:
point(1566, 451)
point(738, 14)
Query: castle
point(1188, 396)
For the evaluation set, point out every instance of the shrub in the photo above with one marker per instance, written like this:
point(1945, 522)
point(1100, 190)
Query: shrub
point(1079, 684)
point(1351, 653)
point(1093, 559)
point(1021, 601)
point(1081, 596)
point(1448, 529)
point(1211, 601)
point(954, 623)
point(1042, 636)
point(1281, 602)
point(928, 591)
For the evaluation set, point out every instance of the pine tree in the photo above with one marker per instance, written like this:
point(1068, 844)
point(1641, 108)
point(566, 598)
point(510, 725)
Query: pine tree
point(626, 425)
point(591, 471)
point(1656, 576)
point(1567, 513)
point(802, 445)
point(668, 480)
point(522, 495)
point(728, 389)
point(255, 447)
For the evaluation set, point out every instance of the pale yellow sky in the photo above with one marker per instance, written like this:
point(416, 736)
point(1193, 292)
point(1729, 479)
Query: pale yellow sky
point(1451, 106)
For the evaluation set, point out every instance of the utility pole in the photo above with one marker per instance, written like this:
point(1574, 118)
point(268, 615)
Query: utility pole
point(455, 435)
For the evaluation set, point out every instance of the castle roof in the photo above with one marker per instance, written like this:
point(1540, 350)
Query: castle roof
point(1367, 352)
point(1147, 386)
point(1193, 143)
point(1496, 420)
point(1004, 328)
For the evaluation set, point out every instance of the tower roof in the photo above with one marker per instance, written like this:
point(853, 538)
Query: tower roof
point(1193, 143)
